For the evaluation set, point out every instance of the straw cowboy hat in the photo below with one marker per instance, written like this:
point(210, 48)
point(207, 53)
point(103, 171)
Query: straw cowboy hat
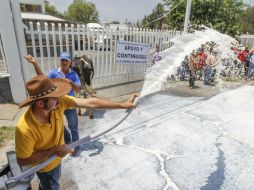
point(41, 87)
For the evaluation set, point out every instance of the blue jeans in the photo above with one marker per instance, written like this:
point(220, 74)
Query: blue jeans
point(182, 74)
point(72, 118)
point(250, 69)
point(207, 77)
point(50, 180)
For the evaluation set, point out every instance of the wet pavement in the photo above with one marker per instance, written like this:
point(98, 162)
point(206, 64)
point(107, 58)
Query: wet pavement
point(170, 142)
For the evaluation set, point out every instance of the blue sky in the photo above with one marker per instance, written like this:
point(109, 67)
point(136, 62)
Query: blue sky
point(250, 2)
point(120, 10)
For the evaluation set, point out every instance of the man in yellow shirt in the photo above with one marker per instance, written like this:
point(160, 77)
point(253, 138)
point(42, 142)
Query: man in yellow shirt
point(40, 130)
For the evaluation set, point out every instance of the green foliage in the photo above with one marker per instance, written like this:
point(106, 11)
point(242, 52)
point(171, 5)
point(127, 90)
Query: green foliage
point(248, 20)
point(223, 15)
point(50, 9)
point(158, 12)
point(6, 133)
point(83, 11)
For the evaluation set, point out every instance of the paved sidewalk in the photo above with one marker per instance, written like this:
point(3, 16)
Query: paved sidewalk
point(11, 113)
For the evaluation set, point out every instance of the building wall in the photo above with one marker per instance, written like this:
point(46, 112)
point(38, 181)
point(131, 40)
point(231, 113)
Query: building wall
point(14, 47)
point(5, 91)
point(35, 2)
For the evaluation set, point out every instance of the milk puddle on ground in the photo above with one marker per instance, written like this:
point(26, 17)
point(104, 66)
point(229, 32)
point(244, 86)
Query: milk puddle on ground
point(172, 142)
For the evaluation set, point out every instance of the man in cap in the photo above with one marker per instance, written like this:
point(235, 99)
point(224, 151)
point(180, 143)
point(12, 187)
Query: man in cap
point(65, 72)
point(40, 130)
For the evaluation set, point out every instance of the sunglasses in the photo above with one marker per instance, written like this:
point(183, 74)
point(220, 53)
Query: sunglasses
point(64, 60)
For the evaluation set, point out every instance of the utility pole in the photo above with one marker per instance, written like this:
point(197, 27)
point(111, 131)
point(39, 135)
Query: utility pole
point(187, 16)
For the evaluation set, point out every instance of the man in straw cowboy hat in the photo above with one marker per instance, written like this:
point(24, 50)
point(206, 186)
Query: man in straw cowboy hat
point(65, 71)
point(40, 130)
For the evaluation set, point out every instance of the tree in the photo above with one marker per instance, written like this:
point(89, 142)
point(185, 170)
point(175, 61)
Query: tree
point(223, 15)
point(158, 12)
point(138, 23)
point(83, 11)
point(248, 20)
point(50, 9)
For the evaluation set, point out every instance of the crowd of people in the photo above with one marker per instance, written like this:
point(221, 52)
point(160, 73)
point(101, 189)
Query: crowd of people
point(203, 64)
point(199, 65)
point(246, 59)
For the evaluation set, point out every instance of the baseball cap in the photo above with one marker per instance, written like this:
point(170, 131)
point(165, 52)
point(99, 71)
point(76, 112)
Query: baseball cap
point(65, 55)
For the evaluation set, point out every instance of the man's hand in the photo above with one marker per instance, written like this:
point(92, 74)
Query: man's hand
point(62, 150)
point(43, 155)
point(130, 102)
point(30, 59)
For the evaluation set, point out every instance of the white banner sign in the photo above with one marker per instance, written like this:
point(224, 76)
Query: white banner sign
point(131, 52)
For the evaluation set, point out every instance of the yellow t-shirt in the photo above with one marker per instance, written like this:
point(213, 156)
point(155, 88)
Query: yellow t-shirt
point(32, 136)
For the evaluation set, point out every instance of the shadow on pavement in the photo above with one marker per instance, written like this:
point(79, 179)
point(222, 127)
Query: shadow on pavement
point(216, 179)
point(95, 146)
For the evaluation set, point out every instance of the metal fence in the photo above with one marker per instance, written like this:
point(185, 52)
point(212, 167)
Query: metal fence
point(3, 64)
point(45, 42)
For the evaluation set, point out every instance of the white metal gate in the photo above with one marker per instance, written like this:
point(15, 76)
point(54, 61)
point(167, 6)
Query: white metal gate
point(45, 41)
point(3, 64)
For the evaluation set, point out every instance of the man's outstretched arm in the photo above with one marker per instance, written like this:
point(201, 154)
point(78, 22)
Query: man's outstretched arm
point(98, 103)
point(37, 68)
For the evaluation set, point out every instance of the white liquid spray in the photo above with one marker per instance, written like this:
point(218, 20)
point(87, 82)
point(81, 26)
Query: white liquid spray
point(172, 57)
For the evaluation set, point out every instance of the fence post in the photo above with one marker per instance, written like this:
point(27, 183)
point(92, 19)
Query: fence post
point(14, 47)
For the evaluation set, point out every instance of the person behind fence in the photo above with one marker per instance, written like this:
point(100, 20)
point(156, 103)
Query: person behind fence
point(251, 64)
point(210, 64)
point(65, 72)
point(201, 57)
point(155, 54)
point(192, 69)
point(184, 68)
point(39, 133)
point(247, 61)
point(242, 57)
